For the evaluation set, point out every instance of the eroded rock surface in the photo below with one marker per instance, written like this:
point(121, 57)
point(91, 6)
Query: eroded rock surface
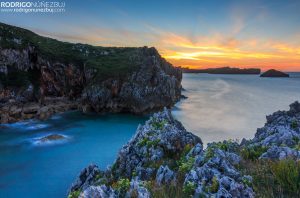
point(280, 135)
point(163, 153)
point(214, 175)
point(40, 76)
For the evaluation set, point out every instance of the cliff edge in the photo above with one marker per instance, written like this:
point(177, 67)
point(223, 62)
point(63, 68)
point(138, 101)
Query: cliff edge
point(40, 76)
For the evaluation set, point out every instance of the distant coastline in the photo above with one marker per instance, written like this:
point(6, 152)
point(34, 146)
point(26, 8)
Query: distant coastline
point(222, 70)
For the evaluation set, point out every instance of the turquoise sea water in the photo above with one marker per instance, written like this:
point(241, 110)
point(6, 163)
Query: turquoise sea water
point(218, 107)
point(33, 170)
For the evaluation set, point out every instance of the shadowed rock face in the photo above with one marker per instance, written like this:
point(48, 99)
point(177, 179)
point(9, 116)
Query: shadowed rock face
point(51, 76)
point(274, 73)
point(155, 84)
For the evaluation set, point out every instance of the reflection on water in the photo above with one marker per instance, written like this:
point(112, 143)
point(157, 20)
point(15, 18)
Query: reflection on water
point(232, 106)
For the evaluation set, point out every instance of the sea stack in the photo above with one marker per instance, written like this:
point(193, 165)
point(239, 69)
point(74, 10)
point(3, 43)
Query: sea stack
point(274, 73)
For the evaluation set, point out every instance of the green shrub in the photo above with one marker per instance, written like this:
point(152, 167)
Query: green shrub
point(166, 191)
point(297, 147)
point(253, 152)
point(74, 194)
point(214, 185)
point(246, 181)
point(122, 186)
point(152, 143)
point(159, 125)
point(98, 176)
point(209, 153)
point(189, 189)
point(114, 166)
point(147, 142)
point(187, 148)
point(273, 178)
point(186, 165)
point(297, 141)
point(143, 142)
point(287, 174)
point(294, 124)
point(226, 145)
point(263, 183)
point(134, 174)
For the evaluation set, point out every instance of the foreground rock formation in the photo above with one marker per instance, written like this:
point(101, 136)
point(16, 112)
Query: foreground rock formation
point(280, 137)
point(163, 153)
point(274, 73)
point(40, 76)
point(164, 160)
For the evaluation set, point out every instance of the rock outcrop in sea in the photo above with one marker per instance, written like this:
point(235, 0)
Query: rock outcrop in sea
point(40, 76)
point(274, 73)
point(163, 159)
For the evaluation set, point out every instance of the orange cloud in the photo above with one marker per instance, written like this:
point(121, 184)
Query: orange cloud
point(200, 51)
point(219, 51)
point(286, 48)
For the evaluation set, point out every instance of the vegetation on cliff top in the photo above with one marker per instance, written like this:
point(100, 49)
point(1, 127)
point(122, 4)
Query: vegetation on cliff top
point(107, 61)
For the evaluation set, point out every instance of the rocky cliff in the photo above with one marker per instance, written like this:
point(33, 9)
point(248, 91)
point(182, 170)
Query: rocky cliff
point(164, 160)
point(40, 76)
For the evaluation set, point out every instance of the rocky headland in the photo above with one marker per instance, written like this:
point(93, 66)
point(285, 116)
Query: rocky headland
point(274, 73)
point(40, 76)
point(164, 160)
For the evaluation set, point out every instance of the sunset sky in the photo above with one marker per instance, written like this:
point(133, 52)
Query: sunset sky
point(196, 34)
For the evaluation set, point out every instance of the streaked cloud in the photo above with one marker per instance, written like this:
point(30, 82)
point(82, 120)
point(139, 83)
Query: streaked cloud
point(241, 34)
point(204, 51)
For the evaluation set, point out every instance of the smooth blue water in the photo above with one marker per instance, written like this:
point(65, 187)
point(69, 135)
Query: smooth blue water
point(28, 169)
point(232, 106)
point(218, 107)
